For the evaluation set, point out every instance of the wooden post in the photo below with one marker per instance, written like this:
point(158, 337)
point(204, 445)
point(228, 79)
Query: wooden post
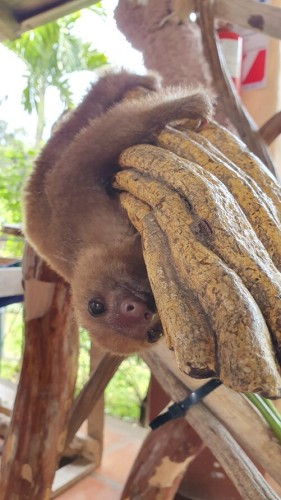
point(38, 428)
point(162, 461)
point(96, 415)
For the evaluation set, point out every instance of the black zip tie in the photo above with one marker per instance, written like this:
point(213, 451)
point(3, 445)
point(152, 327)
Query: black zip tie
point(179, 409)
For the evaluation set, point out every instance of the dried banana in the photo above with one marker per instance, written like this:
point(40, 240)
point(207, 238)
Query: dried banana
point(218, 222)
point(203, 141)
point(185, 325)
point(238, 183)
point(234, 149)
point(242, 335)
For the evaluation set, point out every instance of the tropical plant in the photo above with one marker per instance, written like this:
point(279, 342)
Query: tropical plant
point(15, 163)
point(126, 391)
point(50, 53)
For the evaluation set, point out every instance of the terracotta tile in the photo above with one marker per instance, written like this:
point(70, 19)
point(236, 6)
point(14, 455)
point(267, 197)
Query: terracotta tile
point(92, 488)
point(117, 464)
point(112, 437)
point(118, 430)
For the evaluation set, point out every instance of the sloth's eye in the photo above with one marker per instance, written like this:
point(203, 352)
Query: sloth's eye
point(96, 307)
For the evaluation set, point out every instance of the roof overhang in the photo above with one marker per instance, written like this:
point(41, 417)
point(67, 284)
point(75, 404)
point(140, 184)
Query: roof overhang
point(18, 16)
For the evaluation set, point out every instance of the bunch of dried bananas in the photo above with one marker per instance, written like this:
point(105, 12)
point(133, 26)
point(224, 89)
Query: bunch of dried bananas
point(209, 215)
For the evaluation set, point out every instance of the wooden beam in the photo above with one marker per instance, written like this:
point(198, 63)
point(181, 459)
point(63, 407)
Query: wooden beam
point(233, 107)
point(251, 14)
point(104, 370)
point(55, 13)
point(9, 27)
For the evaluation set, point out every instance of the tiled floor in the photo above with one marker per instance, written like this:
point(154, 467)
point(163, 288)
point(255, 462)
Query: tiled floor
point(122, 442)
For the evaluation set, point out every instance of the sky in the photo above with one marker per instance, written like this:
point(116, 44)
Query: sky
point(105, 37)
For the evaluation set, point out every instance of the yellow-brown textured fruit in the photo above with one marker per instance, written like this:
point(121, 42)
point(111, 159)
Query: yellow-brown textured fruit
point(246, 194)
point(185, 325)
point(242, 335)
point(234, 149)
point(218, 222)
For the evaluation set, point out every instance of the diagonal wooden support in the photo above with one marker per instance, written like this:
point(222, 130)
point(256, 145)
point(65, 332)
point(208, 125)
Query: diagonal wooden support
point(224, 86)
point(271, 129)
point(91, 392)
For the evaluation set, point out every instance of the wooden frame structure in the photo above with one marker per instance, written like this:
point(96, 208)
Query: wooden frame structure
point(45, 417)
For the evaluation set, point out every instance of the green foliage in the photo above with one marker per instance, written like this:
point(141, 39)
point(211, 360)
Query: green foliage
point(127, 389)
point(15, 164)
point(98, 8)
point(50, 53)
point(83, 361)
point(269, 412)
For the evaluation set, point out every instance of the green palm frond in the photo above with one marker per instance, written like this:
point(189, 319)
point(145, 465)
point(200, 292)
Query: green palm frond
point(50, 53)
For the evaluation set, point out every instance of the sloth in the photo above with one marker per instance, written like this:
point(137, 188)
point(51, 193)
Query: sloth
point(72, 215)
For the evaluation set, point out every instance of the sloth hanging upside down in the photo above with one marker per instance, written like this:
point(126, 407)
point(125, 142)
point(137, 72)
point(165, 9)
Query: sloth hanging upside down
point(73, 217)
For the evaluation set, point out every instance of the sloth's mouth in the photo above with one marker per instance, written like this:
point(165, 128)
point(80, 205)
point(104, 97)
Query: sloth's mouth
point(154, 334)
point(156, 331)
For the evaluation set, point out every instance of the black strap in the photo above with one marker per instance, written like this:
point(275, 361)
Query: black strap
point(179, 409)
point(6, 301)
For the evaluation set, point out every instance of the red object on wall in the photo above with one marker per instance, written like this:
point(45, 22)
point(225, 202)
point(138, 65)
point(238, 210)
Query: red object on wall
point(255, 72)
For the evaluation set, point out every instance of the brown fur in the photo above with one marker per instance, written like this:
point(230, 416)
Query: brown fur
point(72, 215)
